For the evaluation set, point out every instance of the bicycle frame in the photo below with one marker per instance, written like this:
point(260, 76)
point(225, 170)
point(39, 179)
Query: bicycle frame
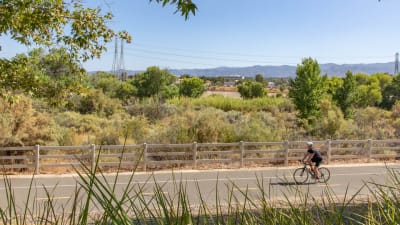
point(302, 174)
point(307, 168)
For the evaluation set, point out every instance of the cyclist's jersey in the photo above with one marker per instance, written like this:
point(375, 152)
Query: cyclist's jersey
point(317, 155)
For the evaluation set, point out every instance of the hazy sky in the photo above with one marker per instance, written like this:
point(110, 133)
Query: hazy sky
point(249, 32)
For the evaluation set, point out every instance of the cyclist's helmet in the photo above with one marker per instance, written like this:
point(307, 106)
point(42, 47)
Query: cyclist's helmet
point(309, 143)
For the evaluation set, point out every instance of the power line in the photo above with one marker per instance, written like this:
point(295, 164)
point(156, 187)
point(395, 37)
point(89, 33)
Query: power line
point(203, 57)
point(158, 47)
point(173, 60)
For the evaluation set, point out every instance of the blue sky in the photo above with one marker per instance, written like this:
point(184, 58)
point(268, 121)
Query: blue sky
point(241, 33)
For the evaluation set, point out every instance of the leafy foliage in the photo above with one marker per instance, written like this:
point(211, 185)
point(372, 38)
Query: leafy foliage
point(368, 90)
point(307, 89)
point(391, 93)
point(94, 102)
point(21, 125)
point(55, 22)
point(273, 105)
point(52, 76)
point(155, 82)
point(259, 78)
point(331, 120)
point(346, 95)
point(191, 87)
point(251, 89)
point(184, 6)
point(112, 87)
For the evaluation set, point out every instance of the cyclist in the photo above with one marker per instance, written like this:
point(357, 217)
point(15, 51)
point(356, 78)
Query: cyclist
point(313, 156)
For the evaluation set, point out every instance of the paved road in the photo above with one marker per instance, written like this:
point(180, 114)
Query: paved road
point(276, 182)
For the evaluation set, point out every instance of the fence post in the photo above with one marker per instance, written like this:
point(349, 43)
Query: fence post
point(93, 156)
point(37, 159)
point(241, 154)
point(286, 146)
point(144, 157)
point(194, 149)
point(328, 150)
point(369, 146)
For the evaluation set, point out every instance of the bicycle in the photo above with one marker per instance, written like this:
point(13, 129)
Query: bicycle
point(302, 174)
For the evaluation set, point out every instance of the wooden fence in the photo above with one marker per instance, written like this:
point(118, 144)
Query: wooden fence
point(155, 156)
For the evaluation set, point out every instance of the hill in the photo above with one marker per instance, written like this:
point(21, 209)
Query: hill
point(285, 71)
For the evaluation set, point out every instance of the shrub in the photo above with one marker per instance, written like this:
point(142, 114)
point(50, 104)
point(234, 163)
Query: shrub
point(251, 89)
point(207, 125)
point(152, 109)
point(191, 87)
point(21, 125)
point(268, 104)
point(94, 101)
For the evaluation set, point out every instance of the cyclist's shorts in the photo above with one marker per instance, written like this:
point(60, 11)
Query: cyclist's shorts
point(317, 161)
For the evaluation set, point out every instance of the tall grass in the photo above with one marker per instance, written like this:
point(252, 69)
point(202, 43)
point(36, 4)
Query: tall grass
point(95, 202)
point(270, 104)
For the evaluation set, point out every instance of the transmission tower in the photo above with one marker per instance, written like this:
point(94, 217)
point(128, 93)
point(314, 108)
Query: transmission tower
point(114, 69)
point(121, 65)
point(396, 64)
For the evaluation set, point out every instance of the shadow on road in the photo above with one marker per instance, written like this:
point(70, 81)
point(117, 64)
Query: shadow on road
point(291, 183)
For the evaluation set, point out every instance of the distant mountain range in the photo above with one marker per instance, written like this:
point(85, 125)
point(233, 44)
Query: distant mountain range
point(285, 71)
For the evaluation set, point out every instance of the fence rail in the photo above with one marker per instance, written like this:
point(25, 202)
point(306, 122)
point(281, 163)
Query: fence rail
point(145, 156)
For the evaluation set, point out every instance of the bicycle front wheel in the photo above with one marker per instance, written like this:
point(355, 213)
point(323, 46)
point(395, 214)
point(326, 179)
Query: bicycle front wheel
point(324, 173)
point(300, 175)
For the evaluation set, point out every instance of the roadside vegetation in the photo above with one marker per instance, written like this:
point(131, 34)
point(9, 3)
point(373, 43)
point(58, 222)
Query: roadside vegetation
point(47, 98)
point(70, 107)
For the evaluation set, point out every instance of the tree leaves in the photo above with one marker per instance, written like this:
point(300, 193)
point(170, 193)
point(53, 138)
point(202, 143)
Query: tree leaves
point(83, 31)
point(184, 6)
point(307, 88)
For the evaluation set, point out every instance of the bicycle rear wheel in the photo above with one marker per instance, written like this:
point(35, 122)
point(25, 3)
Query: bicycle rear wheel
point(300, 175)
point(324, 173)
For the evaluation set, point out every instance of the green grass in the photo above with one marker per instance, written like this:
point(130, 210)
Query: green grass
point(269, 104)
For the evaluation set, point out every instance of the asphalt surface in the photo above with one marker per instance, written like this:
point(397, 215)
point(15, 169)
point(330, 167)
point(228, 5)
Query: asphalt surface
point(275, 183)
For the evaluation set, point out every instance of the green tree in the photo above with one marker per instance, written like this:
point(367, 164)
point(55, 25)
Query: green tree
point(383, 79)
point(56, 22)
point(191, 87)
point(51, 75)
point(368, 90)
point(112, 87)
point(67, 23)
point(251, 89)
point(155, 82)
point(391, 93)
point(107, 82)
point(82, 30)
point(62, 75)
point(259, 78)
point(346, 95)
point(333, 84)
point(307, 89)
point(125, 91)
